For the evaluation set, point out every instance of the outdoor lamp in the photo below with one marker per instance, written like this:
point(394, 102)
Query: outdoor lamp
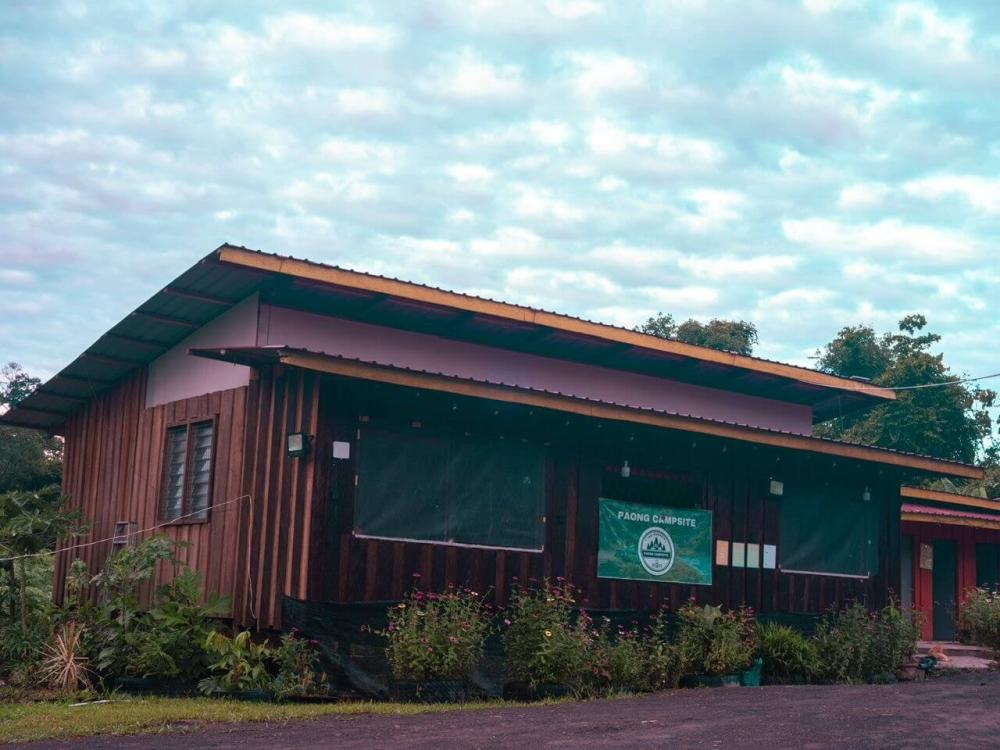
point(866, 496)
point(626, 470)
point(298, 444)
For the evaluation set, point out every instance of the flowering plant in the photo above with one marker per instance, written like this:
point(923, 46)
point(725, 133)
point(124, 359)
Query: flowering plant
point(436, 636)
point(299, 672)
point(545, 644)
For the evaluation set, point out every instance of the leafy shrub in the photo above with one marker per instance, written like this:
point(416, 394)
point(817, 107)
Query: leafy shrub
point(663, 662)
point(842, 645)
point(436, 636)
point(713, 642)
point(895, 632)
point(168, 640)
point(240, 664)
point(21, 650)
point(788, 655)
point(298, 667)
point(545, 643)
point(981, 614)
point(635, 660)
point(855, 645)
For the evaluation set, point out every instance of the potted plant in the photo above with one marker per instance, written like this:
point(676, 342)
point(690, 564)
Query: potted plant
point(548, 650)
point(715, 646)
point(434, 642)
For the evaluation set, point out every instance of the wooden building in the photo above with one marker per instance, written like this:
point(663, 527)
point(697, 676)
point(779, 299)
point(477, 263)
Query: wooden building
point(320, 435)
point(950, 545)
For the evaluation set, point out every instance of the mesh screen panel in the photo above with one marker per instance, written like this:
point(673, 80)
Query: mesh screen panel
point(460, 490)
point(824, 532)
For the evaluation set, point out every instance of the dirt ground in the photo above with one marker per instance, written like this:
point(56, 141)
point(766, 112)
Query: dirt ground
point(952, 711)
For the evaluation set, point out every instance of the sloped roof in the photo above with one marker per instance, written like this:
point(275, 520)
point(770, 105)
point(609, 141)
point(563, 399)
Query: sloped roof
point(489, 389)
point(230, 274)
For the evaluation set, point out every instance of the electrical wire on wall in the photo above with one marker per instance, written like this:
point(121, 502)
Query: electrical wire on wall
point(117, 537)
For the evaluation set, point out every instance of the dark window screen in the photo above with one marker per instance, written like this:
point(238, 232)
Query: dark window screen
point(829, 531)
point(453, 490)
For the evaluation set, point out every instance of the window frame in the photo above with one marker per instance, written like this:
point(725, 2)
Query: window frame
point(188, 425)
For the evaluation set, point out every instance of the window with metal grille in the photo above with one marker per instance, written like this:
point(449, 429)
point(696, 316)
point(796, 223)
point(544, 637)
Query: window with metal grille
point(187, 471)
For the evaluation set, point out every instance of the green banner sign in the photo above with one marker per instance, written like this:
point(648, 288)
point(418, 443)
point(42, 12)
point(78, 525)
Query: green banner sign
point(652, 543)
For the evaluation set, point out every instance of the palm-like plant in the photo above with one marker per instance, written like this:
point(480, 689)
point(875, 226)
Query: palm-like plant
point(65, 667)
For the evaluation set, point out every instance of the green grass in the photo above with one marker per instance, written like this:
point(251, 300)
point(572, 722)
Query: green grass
point(24, 722)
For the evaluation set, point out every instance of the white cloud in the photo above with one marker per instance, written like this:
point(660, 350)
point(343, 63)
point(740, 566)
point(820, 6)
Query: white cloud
point(470, 173)
point(367, 156)
point(362, 102)
point(729, 268)
point(863, 195)
point(713, 208)
point(508, 242)
point(602, 74)
point(889, 237)
point(808, 85)
point(609, 139)
point(982, 193)
point(291, 32)
point(822, 7)
point(533, 204)
point(687, 297)
point(15, 277)
point(572, 10)
point(921, 28)
point(468, 77)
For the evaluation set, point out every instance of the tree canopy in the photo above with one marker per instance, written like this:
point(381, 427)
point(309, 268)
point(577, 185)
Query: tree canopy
point(948, 420)
point(737, 336)
point(29, 460)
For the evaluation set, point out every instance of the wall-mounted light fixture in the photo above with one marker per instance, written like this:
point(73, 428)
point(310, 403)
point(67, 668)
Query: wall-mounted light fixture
point(626, 470)
point(298, 444)
point(866, 496)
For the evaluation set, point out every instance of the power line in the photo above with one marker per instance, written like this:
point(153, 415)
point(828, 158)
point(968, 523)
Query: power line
point(930, 385)
point(161, 525)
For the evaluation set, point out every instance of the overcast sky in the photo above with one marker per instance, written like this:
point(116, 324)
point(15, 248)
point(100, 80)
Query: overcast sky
point(803, 165)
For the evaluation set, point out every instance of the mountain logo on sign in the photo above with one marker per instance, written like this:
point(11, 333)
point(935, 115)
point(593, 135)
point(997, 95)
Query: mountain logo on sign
point(656, 551)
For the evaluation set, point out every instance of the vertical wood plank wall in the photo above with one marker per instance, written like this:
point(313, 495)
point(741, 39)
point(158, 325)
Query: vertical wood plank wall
point(736, 488)
point(292, 537)
point(283, 530)
point(113, 471)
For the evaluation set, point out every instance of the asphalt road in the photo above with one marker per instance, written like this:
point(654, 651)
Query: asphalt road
point(961, 711)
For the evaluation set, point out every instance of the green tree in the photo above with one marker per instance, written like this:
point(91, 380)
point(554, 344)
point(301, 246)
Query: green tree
point(29, 459)
point(737, 336)
point(31, 517)
point(948, 420)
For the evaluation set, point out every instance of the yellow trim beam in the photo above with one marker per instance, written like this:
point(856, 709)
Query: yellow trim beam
point(919, 493)
point(511, 394)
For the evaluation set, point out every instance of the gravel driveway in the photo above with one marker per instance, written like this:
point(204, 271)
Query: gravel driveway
point(952, 711)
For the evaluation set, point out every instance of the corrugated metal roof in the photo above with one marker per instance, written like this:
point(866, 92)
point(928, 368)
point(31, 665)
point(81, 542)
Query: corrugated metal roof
point(927, 510)
point(528, 308)
point(212, 286)
point(262, 355)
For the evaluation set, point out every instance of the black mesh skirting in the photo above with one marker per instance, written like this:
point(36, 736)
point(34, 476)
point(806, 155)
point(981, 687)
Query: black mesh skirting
point(356, 656)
